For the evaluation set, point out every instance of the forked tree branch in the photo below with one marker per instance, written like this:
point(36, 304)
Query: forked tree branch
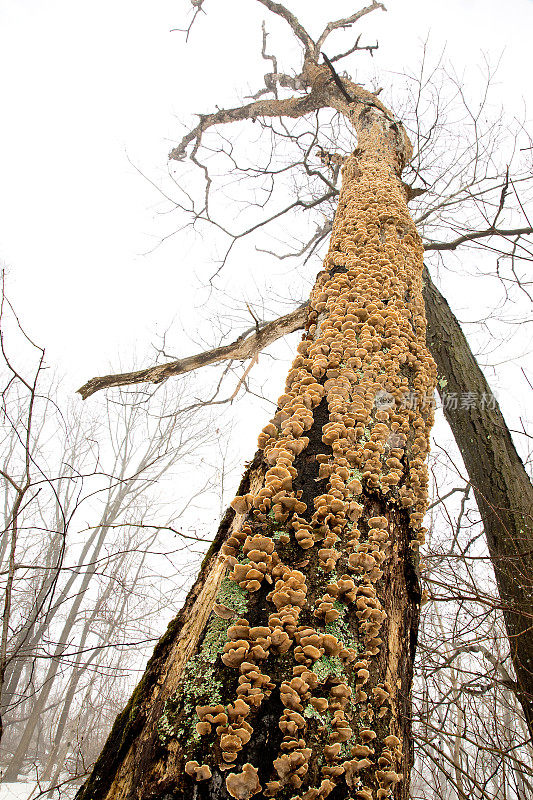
point(297, 28)
point(295, 106)
point(243, 348)
point(355, 48)
point(312, 49)
point(347, 22)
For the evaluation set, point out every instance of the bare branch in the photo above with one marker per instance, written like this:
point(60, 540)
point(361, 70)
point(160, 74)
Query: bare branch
point(197, 5)
point(355, 48)
point(496, 663)
point(293, 107)
point(347, 22)
point(272, 79)
point(241, 349)
point(471, 237)
point(298, 29)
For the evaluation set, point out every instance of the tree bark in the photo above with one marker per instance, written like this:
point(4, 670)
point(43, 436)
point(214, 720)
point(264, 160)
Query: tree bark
point(291, 676)
point(502, 487)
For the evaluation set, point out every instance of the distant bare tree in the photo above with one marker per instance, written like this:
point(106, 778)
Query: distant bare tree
point(84, 550)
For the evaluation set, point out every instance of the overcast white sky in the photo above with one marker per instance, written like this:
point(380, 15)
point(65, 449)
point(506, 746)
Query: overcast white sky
point(86, 87)
point(89, 90)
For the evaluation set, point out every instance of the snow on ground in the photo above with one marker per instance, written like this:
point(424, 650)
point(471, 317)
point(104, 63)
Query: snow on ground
point(21, 790)
point(30, 790)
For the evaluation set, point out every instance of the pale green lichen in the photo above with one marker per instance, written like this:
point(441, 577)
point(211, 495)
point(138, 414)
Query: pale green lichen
point(165, 728)
point(346, 749)
point(200, 678)
point(365, 435)
point(328, 665)
point(233, 596)
point(350, 525)
point(355, 474)
point(341, 630)
point(311, 713)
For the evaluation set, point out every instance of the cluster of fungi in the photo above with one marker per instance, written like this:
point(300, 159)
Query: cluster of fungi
point(316, 551)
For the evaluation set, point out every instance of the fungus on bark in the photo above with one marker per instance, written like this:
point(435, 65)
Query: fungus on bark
point(365, 499)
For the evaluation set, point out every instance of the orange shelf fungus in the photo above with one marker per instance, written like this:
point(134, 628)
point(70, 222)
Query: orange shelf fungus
point(199, 773)
point(243, 785)
point(358, 388)
point(362, 751)
point(391, 741)
point(353, 768)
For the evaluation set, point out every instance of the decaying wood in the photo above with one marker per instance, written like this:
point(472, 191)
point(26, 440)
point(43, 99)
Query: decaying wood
point(372, 199)
point(119, 768)
point(243, 348)
point(373, 241)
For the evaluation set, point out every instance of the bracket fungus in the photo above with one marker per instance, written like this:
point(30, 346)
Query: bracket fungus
point(343, 493)
point(199, 773)
point(243, 785)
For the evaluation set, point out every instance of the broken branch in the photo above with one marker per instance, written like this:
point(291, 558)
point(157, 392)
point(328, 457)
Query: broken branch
point(239, 350)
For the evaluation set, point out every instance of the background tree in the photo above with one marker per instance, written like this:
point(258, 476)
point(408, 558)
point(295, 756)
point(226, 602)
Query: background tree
point(83, 526)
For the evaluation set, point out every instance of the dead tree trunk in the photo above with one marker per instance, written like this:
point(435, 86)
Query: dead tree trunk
point(502, 488)
point(288, 672)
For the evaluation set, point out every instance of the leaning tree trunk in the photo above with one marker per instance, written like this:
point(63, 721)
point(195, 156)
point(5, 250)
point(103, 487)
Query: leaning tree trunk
point(502, 487)
point(288, 671)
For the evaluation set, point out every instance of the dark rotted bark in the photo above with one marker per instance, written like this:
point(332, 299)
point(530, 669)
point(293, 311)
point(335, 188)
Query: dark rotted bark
point(502, 488)
point(134, 736)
